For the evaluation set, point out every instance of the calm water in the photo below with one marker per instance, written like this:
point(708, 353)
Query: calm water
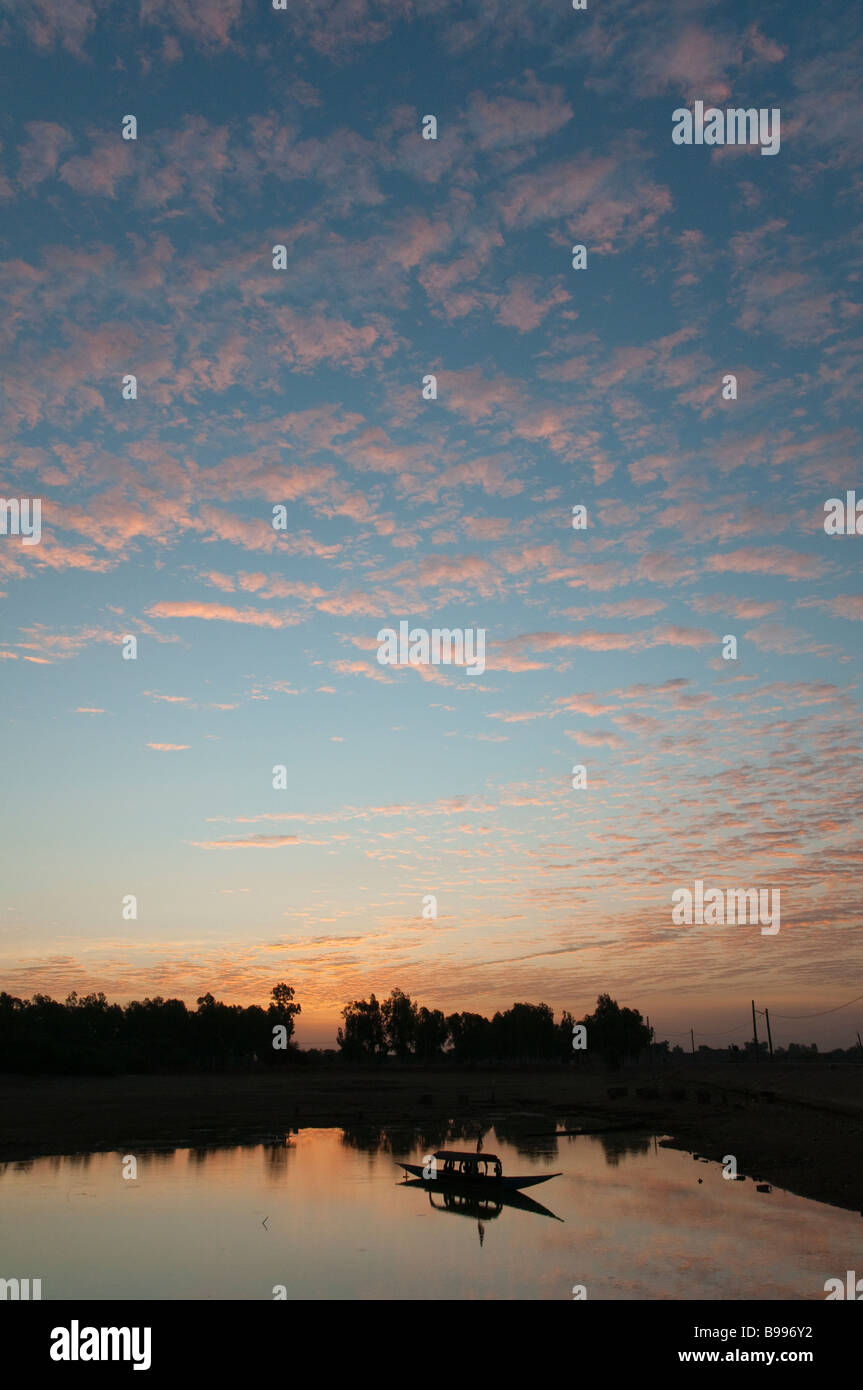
point(633, 1223)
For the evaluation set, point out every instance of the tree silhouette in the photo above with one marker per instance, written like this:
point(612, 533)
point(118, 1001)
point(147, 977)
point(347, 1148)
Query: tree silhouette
point(399, 1016)
point(431, 1034)
point(525, 1031)
point(362, 1037)
point(282, 1010)
point(471, 1037)
point(614, 1033)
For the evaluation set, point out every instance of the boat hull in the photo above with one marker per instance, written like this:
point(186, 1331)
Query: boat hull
point(490, 1184)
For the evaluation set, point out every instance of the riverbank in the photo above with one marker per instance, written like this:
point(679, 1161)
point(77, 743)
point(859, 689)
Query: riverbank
point(797, 1127)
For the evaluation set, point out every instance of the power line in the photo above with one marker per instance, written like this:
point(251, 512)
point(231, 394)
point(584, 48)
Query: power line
point(787, 1016)
point(822, 1012)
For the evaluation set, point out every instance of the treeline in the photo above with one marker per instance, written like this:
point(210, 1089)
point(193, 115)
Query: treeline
point(89, 1035)
point(527, 1032)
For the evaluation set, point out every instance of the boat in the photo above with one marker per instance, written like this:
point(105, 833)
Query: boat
point(476, 1171)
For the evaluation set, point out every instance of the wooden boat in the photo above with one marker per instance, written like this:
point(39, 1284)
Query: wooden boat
point(479, 1172)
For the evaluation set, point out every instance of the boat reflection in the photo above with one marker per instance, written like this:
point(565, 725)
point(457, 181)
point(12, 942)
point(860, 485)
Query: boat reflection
point(476, 1206)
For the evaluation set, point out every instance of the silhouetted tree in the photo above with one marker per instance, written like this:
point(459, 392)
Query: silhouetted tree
point(566, 1051)
point(471, 1037)
point(362, 1038)
point(282, 1011)
point(399, 1016)
point(525, 1031)
point(614, 1033)
point(431, 1033)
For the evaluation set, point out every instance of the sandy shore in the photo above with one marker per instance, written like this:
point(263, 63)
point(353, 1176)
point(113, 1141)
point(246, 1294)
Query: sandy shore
point(797, 1127)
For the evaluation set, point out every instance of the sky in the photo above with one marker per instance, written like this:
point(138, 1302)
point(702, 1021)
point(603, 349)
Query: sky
point(604, 387)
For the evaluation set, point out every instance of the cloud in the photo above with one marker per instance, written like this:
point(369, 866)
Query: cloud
point(676, 635)
point(596, 738)
point(780, 637)
point(360, 668)
point(584, 704)
point(612, 207)
point(62, 645)
point(48, 25)
point(222, 613)
point(310, 337)
point(848, 606)
point(251, 842)
point(209, 23)
point(522, 718)
point(98, 173)
point(789, 564)
point(527, 113)
point(523, 308)
point(39, 154)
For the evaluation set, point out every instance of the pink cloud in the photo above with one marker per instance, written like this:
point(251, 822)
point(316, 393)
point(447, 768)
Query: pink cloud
point(39, 154)
point(557, 190)
point(523, 308)
point(522, 718)
point(768, 560)
point(48, 24)
point(677, 636)
point(765, 49)
point(779, 637)
point(360, 668)
point(848, 606)
point(63, 645)
point(470, 394)
point(485, 528)
point(661, 568)
point(208, 22)
point(99, 172)
point(223, 613)
point(252, 842)
point(554, 641)
point(689, 59)
point(583, 704)
point(533, 112)
point(310, 337)
point(597, 738)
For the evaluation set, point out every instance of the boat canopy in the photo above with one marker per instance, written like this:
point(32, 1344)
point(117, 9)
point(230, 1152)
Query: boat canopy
point(463, 1155)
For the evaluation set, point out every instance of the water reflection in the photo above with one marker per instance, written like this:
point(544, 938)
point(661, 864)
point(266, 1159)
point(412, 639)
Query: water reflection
point(476, 1206)
point(276, 1158)
point(403, 1139)
point(527, 1141)
point(618, 1146)
point(630, 1221)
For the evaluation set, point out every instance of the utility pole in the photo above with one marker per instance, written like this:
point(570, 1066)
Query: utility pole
point(755, 1030)
point(769, 1038)
point(692, 1040)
